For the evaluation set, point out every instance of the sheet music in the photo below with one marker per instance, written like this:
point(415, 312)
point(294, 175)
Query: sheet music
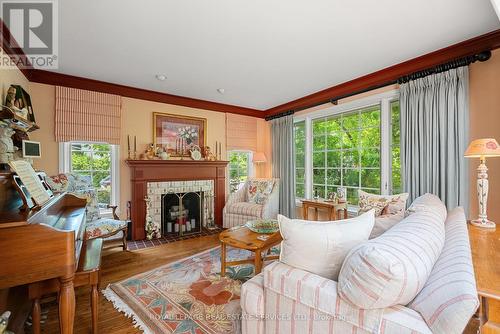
point(30, 181)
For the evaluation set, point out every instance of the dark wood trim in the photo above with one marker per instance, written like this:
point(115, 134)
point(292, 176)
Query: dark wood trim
point(58, 79)
point(380, 78)
point(10, 47)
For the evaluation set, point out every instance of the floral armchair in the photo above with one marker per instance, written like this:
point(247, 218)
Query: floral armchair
point(257, 199)
point(96, 225)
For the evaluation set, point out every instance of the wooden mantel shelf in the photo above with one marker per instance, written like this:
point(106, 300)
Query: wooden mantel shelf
point(189, 162)
point(145, 171)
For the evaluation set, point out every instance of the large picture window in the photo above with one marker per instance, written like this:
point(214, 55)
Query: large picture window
point(355, 145)
point(346, 152)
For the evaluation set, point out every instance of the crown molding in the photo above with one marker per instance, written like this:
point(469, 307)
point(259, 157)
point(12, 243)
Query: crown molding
point(390, 74)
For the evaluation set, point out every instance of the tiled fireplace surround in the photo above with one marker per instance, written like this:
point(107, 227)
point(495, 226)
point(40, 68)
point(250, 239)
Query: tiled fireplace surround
point(155, 191)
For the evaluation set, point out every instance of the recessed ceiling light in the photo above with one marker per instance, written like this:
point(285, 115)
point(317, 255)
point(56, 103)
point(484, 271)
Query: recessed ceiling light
point(161, 77)
point(221, 90)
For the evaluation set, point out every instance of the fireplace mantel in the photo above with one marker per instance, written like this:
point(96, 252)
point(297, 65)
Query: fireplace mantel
point(144, 171)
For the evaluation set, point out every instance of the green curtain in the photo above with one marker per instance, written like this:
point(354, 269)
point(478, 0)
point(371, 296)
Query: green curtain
point(434, 135)
point(283, 162)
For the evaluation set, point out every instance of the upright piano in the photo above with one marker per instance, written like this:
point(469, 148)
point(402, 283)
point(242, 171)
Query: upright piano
point(41, 244)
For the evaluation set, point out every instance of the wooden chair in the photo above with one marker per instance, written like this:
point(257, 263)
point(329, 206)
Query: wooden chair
point(87, 274)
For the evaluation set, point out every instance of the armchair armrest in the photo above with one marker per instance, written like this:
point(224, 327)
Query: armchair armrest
point(237, 197)
point(113, 208)
point(318, 293)
point(271, 207)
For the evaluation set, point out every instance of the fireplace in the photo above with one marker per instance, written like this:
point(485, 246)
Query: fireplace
point(179, 207)
point(181, 213)
point(147, 177)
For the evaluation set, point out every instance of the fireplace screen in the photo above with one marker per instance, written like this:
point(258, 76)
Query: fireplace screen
point(182, 213)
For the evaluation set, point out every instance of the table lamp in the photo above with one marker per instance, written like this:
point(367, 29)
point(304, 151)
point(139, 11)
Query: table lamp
point(482, 148)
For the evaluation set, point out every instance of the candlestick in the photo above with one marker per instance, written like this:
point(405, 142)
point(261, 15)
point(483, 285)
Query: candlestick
point(220, 151)
point(216, 150)
point(128, 145)
point(135, 147)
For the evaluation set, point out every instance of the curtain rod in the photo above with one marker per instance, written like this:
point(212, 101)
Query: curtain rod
point(282, 114)
point(459, 62)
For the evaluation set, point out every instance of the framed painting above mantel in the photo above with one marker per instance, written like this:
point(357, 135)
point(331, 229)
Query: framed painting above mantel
point(177, 134)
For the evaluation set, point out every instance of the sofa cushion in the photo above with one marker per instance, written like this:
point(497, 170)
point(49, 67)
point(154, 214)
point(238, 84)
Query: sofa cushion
point(246, 209)
point(320, 247)
point(382, 204)
point(449, 297)
point(393, 268)
point(427, 202)
point(259, 190)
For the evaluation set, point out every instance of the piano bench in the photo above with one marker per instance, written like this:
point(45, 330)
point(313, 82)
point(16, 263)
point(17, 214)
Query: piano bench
point(88, 273)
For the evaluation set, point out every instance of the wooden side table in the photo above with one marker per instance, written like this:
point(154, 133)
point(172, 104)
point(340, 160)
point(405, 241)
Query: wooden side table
point(333, 208)
point(243, 238)
point(485, 247)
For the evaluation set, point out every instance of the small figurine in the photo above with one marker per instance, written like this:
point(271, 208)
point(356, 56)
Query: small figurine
point(151, 152)
point(207, 154)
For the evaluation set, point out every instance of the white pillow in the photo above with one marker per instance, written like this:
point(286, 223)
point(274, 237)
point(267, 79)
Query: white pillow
point(320, 247)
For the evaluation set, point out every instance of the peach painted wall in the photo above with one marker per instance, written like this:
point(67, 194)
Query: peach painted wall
point(485, 122)
point(137, 119)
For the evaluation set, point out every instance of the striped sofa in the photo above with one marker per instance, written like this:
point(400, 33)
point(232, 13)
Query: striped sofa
point(284, 299)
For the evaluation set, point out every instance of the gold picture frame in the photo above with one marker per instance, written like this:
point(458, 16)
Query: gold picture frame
point(169, 128)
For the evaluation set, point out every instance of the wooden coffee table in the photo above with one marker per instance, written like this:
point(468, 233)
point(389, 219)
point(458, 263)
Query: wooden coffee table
point(243, 238)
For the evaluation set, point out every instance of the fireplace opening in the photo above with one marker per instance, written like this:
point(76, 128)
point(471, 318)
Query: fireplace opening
point(182, 213)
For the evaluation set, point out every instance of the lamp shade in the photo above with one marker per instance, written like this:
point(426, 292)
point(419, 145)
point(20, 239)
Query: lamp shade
point(484, 147)
point(259, 157)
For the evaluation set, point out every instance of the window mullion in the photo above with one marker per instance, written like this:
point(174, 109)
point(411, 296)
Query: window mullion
point(308, 158)
point(385, 150)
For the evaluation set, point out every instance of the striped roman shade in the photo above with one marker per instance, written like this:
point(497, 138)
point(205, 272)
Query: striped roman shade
point(241, 132)
point(83, 115)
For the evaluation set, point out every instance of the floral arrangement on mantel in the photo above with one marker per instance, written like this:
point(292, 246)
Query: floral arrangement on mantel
point(188, 133)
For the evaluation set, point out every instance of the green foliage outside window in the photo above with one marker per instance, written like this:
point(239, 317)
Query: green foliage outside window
point(396, 185)
point(239, 163)
point(346, 152)
point(300, 158)
point(94, 161)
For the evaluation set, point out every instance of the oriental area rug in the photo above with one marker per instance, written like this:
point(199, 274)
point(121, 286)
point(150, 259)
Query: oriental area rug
point(187, 296)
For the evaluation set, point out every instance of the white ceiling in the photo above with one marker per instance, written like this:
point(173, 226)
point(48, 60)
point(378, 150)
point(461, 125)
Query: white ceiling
point(262, 52)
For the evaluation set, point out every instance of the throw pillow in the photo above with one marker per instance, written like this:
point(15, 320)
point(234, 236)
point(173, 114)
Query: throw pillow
point(320, 247)
point(259, 190)
point(58, 183)
point(382, 204)
point(393, 268)
point(384, 223)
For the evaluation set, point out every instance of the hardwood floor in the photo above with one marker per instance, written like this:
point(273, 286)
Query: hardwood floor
point(118, 265)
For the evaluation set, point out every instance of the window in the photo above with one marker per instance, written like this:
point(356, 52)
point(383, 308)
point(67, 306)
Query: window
point(97, 162)
point(346, 152)
point(300, 159)
point(354, 145)
point(240, 163)
point(396, 185)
